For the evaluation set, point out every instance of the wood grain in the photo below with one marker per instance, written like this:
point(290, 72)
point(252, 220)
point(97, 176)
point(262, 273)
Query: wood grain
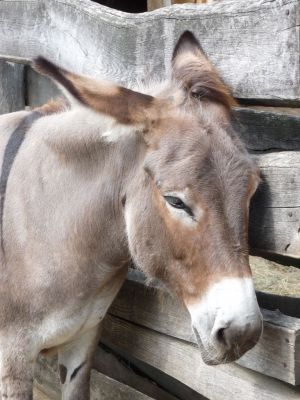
point(11, 87)
point(276, 355)
point(268, 128)
point(254, 44)
point(183, 362)
point(275, 209)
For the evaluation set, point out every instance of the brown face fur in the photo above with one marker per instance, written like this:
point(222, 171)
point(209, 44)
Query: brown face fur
point(218, 179)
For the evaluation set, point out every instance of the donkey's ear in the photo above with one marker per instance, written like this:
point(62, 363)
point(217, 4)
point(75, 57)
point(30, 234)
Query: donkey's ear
point(187, 45)
point(124, 105)
point(192, 69)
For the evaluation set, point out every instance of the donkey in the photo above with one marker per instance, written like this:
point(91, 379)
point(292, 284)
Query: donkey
point(156, 175)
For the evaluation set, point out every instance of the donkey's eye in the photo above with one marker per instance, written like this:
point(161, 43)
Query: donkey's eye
point(178, 203)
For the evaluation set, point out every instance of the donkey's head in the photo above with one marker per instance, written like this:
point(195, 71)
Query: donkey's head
point(186, 210)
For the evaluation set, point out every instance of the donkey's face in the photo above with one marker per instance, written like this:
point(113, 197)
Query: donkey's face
point(186, 209)
point(188, 220)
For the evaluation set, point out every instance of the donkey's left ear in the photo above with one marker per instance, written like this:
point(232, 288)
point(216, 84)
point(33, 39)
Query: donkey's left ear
point(192, 69)
point(125, 106)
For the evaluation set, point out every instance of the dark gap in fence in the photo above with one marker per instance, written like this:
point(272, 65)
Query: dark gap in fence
point(269, 102)
point(278, 258)
point(112, 357)
point(130, 6)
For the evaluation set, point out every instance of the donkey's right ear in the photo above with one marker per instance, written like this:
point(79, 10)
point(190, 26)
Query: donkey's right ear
point(126, 106)
point(195, 73)
point(188, 51)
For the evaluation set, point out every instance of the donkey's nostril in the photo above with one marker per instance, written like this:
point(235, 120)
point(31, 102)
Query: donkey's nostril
point(220, 335)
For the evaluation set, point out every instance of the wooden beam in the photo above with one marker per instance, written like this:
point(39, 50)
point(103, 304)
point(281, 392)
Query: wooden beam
point(243, 39)
point(277, 354)
point(275, 209)
point(268, 128)
point(183, 361)
point(12, 96)
point(15, 59)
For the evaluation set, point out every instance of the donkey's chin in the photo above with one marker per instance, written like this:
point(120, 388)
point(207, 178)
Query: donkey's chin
point(212, 356)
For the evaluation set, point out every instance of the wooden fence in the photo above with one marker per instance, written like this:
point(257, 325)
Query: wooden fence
point(255, 46)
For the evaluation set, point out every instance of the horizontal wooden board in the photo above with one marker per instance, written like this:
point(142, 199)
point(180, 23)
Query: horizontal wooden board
point(277, 354)
point(275, 209)
point(183, 362)
point(268, 128)
point(254, 44)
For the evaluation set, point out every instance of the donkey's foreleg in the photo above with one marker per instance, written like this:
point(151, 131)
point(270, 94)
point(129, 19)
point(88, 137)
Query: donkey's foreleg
point(75, 361)
point(16, 375)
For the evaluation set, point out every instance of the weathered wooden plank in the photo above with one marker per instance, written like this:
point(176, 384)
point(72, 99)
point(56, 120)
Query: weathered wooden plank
point(102, 387)
point(275, 209)
point(183, 362)
point(268, 128)
point(11, 87)
point(254, 44)
point(276, 355)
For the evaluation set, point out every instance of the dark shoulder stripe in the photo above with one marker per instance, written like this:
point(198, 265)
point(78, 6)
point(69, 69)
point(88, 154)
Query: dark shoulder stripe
point(11, 150)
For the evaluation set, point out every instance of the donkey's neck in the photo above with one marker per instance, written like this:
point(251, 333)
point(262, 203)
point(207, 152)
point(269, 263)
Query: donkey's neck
point(105, 171)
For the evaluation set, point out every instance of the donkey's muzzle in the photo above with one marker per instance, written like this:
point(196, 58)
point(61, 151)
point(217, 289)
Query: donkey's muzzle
point(236, 339)
point(226, 321)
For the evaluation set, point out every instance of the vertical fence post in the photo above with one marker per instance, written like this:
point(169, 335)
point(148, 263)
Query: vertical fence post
point(12, 90)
